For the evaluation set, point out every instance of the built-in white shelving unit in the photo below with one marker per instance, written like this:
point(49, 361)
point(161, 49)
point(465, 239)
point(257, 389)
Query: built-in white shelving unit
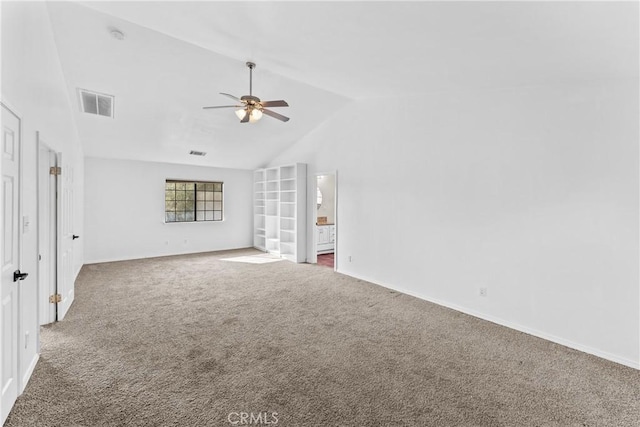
point(279, 211)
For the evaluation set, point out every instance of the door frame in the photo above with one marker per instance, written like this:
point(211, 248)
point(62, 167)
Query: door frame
point(314, 239)
point(44, 291)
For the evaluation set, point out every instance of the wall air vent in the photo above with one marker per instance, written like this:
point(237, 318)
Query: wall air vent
point(197, 153)
point(99, 104)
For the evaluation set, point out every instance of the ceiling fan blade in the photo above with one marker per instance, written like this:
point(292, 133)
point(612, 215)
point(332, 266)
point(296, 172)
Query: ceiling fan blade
point(224, 106)
point(275, 115)
point(245, 119)
point(274, 103)
point(230, 96)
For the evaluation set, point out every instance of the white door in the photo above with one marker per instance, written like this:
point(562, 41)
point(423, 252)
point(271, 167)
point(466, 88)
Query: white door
point(65, 238)
point(10, 256)
point(46, 233)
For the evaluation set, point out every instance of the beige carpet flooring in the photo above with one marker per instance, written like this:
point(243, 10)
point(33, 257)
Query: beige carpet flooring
point(187, 340)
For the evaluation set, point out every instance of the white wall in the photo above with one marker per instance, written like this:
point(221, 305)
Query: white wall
point(34, 86)
point(124, 210)
point(530, 192)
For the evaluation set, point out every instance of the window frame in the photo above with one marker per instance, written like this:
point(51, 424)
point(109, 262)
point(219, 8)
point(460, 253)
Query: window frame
point(199, 195)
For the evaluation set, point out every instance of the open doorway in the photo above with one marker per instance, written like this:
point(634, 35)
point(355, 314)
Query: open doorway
point(325, 224)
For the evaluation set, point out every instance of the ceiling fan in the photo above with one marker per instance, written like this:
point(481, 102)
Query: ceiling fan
point(251, 108)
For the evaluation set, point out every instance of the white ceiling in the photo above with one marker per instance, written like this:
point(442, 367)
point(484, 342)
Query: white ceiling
point(318, 56)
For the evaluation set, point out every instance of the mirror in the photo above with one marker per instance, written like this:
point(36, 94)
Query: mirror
point(319, 198)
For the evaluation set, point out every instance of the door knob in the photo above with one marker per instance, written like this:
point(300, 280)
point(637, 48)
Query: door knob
point(17, 275)
point(75, 237)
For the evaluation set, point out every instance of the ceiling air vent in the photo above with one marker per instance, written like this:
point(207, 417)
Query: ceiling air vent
point(197, 153)
point(96, 103)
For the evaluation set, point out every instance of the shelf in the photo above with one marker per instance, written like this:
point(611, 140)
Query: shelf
point(272, 174)
point(288, 224)
point(287, 172)
point(288, 185)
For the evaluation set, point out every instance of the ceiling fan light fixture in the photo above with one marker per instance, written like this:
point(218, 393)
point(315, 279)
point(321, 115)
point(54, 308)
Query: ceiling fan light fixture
point(253, 117)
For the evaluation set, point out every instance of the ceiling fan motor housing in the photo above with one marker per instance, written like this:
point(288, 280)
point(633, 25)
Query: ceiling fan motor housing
point(250, 99)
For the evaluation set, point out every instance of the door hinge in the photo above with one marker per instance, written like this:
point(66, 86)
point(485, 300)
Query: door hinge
point(55, 170)
point(53, 299)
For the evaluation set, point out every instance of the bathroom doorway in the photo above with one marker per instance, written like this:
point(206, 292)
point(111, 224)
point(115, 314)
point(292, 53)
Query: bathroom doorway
point(325, 225)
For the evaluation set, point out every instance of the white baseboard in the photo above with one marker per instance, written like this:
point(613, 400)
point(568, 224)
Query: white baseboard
point(549, 337)
point(27, 375)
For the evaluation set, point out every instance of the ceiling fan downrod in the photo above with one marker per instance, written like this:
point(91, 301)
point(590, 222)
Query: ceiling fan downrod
point(251, 66)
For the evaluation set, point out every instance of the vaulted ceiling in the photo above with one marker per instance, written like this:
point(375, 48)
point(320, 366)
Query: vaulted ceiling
point(319, 56)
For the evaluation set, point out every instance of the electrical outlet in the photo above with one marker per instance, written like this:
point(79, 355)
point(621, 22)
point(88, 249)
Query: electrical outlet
point(483, 292)
point(349, 258)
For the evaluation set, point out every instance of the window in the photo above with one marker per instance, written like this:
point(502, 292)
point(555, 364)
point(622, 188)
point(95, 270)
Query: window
point(187, 201)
